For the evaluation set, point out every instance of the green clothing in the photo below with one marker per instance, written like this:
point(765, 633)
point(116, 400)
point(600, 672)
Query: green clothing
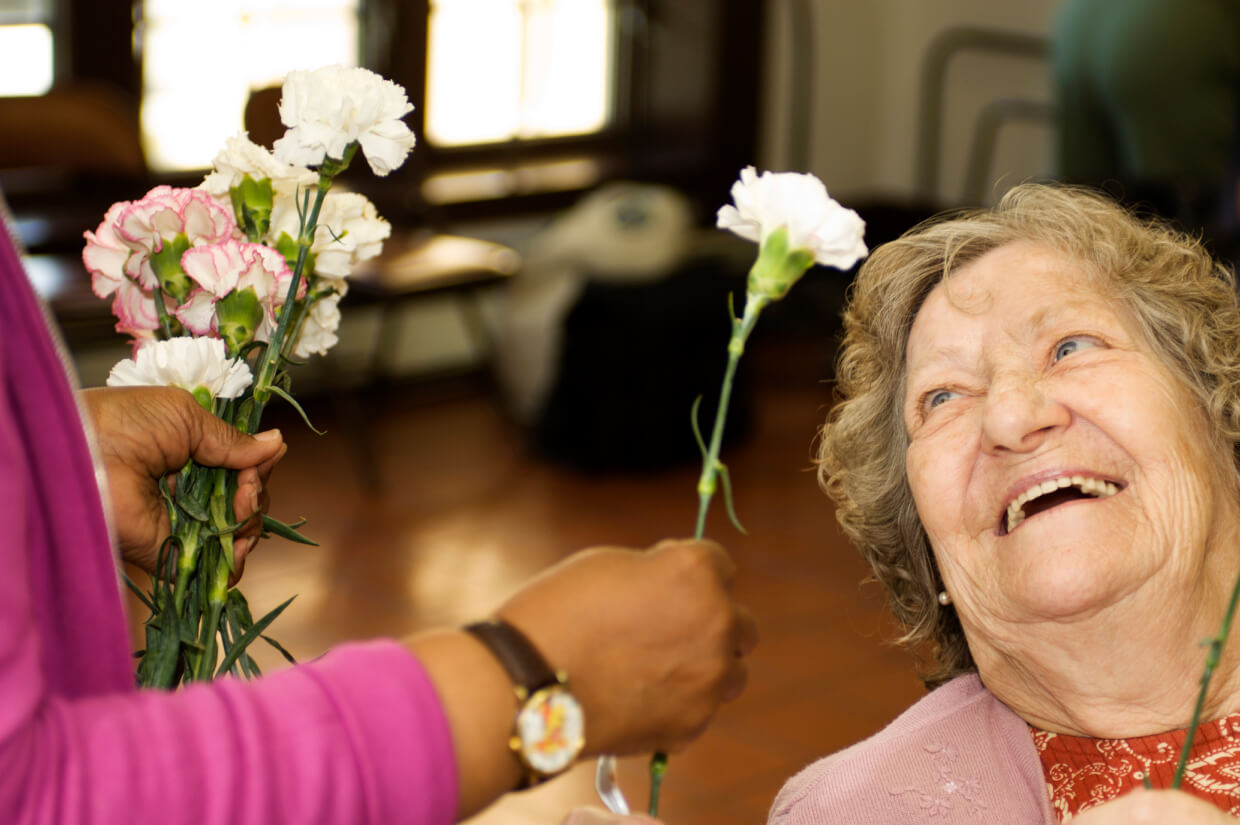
point(1147, 91)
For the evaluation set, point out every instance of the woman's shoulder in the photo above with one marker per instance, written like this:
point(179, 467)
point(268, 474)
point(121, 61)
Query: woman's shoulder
point(958, 750)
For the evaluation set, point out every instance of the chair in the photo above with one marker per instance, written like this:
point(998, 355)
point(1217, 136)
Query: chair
point(995, 114)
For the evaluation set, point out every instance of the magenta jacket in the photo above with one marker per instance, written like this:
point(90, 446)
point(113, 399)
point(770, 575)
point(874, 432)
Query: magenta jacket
point(958, 755)
point(357, 736)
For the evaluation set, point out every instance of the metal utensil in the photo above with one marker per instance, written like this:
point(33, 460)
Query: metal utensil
point(607, 788)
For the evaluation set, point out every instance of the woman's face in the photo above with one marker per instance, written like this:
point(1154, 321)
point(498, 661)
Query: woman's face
point(1057, 466)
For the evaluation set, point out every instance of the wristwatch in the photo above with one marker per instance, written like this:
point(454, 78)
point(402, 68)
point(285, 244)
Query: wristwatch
point(549, 731)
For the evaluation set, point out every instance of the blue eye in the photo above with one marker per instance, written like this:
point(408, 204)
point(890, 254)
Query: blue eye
point(937, 397)
point(1070, 345)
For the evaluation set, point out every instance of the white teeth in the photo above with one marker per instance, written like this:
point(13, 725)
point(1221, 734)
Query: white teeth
point(1089, 486)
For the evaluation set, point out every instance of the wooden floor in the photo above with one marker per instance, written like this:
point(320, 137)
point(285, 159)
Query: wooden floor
point(465, 511)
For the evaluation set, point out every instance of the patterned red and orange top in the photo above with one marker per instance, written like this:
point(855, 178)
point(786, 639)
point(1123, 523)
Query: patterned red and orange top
point(1082, 772)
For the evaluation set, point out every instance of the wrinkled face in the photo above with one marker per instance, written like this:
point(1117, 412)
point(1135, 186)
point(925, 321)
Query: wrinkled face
point(1057, 466)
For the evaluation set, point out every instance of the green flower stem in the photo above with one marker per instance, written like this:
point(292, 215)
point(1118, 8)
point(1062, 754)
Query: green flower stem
point(217, 585)
point(658, 767)
point(220, 515)
point(204, 662)
point(273, 355)
point(301, 313)
point(707, 483)
point(187, 561)
point(161, 311)
point(1212, 659)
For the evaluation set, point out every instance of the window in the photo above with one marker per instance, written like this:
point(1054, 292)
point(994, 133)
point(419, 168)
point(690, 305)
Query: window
point(501, 70)
point(200, 61)
point(27, 53)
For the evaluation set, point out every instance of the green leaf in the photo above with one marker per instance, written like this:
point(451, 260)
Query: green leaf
point(237, 599)
point(280, 392)
point(190, 641)
point(287, 531)
point(161, 665)
point(190, 505)
point(727, 497)
point(280, 647)
point(693, 420)
point(249, 636)
point(231, 629)
point(232, 527)
point(137, 591)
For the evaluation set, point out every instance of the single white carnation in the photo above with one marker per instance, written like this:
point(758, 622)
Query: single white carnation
point(242, 156)
point(799, 203)
point(329, 108)
point(318, 332)
point(189, 363)
point(349, 231)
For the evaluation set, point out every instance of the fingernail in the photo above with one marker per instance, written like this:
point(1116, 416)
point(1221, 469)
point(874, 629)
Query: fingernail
point(267, 435)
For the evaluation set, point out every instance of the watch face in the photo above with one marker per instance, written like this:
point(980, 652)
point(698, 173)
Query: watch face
point(552, 731)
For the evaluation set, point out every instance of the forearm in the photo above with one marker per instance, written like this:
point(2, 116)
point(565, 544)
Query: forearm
point(478, 701)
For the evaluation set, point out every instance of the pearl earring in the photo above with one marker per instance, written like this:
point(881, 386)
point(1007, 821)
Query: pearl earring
point(944, 599)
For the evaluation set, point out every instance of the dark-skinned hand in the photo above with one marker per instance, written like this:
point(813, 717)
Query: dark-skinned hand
point(146, 433)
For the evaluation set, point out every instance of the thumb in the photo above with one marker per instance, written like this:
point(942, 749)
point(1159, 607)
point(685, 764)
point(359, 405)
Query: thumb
point(216, 443)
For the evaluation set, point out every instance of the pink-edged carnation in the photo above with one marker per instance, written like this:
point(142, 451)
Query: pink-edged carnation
point(162, 215)
point(221, 268)
point(134, 308)
point(105, 253)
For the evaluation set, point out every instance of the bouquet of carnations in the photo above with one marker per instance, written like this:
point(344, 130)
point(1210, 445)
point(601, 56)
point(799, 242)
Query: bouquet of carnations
point(222, 288)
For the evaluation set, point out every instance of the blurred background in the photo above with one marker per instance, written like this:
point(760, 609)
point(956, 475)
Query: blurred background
point(515, 372)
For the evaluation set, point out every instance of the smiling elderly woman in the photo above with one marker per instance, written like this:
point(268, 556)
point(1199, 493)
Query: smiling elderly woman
point(1035, 449)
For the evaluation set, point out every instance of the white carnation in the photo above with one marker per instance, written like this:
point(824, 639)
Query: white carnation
point(329, 108)
point(798, 202)
point(349, 230)
point(189, 363)
point(318, 333)
point(242, 156)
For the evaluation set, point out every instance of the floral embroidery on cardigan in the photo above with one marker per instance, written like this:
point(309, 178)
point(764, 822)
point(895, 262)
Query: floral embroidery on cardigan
point(948, 791)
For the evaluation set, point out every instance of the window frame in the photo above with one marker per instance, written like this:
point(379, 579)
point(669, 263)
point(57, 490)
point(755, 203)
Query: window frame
point(700, 154)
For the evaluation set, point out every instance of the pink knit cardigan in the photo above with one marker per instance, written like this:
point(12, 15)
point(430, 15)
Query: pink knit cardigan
point(958, 755)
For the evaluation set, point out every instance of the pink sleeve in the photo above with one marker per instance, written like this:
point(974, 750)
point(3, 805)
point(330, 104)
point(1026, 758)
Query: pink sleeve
point(355, 737)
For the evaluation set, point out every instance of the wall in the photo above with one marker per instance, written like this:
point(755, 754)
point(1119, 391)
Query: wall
point(867, 63)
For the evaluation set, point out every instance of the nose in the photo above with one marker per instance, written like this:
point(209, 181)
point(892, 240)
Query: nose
point(1019, 415)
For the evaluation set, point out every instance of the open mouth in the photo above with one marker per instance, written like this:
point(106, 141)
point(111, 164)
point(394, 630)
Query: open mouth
point(1052, 493)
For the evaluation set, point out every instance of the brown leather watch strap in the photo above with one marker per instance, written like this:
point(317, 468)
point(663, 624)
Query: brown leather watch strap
point(528, 669)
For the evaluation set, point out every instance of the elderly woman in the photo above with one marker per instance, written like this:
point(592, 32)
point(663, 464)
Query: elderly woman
point(1036, 450)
